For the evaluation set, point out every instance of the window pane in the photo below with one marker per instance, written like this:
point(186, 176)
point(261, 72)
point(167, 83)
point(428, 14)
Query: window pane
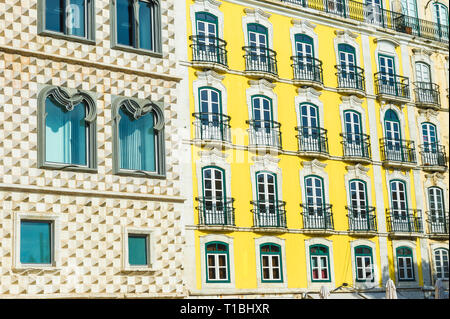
point(35, 239)
point(76, 19)
point(54, 15)
point(137, 142)
point(145, 25)
point(125, 22)
point(137, 250)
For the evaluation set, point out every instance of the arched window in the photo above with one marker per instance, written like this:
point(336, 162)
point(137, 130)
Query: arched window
point(364, 264)
point(211, 117)
point(139, 138)
point(67, 129)
point(271, 269)
point(440, 14)
point(217, 262)
point(320, 269)
point(393, 137)
point(405, 266)
point(441, 263)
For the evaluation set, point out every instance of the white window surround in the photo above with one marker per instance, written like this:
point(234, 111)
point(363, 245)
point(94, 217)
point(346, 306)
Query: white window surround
point(262, 87)
point(398, 175)
point(430, 116)
point(55, 241)
point(410, 244)
point(400, 115)
point(217, 158)
point(281, 242)
point(260, 17)
point(421, 55)
point(376, 270)
point(358, 172)
point(317, 168)
point(347, 37)
point(310, 96)
point(315, 286)
point(211, 286)
point(433, 247)
point(210, 6)
point(151, 249)
point(307, 28)
point(387, 46)
point(266, 163)
point(210, 79)
point(352, 103)
point(435, 180)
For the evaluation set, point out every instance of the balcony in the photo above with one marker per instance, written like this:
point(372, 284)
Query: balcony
point(362, 220)
point(356, 147)
point(317, 219)
point(215, 213)
point(392, 87)
point(350, 80)
point(427, 95)
point(312, 141)
point(307, 71)
point(261, 62)
point(264, 135)
point(209, 52)
point(397, 153)
point(212, 128)
point(433, 157)
point(374, 15)
point(438, 224)
point(269, 216)
point(404, 222)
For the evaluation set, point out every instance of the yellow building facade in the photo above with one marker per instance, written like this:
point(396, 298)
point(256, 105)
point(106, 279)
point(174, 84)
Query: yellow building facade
point(318, 142)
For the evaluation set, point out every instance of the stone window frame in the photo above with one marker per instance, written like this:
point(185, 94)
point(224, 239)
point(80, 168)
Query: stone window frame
point(151, 249)
point(266, 284)
point(91, 25)
point(157, 51)
point(140, 107)
point(411, 245)
point(68, 98)
point(313, 284)
point(376, 277)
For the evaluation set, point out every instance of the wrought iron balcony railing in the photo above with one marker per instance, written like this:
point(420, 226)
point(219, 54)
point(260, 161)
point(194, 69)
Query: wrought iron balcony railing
point(307, 68)
point(433, 154)
point(212, 126)
point(350, 77)
point(427, 94)
point(264, 133)
point(312, 139)
point(260, 59)
point(356, 145)
point(319, 217)
point(438, 222)
point(215, 211)
point(209, 49)
point(404, 220)
point(269, 214)
point(402, 151)
point(361, 218)
point(391, 84)
point(374, 14)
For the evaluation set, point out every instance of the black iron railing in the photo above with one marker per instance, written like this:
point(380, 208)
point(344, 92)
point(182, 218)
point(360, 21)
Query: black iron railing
point(307, 68)
point(374, 14)
point(438, 222)
point(260, 59)
point(317, 216)
point(361, 218)
point(427, 93)
point(215, 211)
point(350, 77)
point(264, 133)
point(269, 214)
point(209, 49)
point(312, 139)
point(212, 126)
point(404, 220)
point(356, 145)
point(402, 151)
point(433, 154)
point(391, 84)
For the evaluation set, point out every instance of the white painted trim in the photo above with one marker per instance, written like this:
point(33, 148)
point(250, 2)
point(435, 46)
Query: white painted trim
point(326, 242)
point(281, 242)
point(376, 270)
point(210, 79)
point(307, 28)
point(314, 167)
point(352, 103)
point(310, 96)
point(260, 17)
point(261, 87)
point(210, 6)
point(410, 244)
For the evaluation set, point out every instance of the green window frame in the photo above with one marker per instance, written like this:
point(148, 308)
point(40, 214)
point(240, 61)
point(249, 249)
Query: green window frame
point(207, 17)
point(36, 242)
point(364, 264)
point(271, 262)
point(405, 264)
point(320, 263)
point(217, 262)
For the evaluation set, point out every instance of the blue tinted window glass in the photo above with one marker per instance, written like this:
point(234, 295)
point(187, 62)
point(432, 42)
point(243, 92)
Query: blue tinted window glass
point(76, 17)
point(54, 15)
point(35, 242)
point(145, 25)
point(125, 22)
point(137, 250)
